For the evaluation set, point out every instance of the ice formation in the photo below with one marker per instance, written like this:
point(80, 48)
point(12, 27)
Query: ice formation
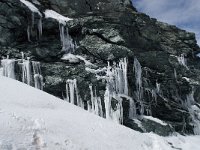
point(33, 10)
point(72, 95)
point(116, 78)
point(8, 68)
point(40, 27)
point(67, 42)
point(175, 74)
point(138, 83)
point(29, 70)
point(115, 114)
point(54, 15)
point(38, 78)
point(31, 7)
point(36, 2)
point(68, 45)
point(194, 110)
point(123, 65)
point(26, 71)
point(96, 106)
point(182, 61)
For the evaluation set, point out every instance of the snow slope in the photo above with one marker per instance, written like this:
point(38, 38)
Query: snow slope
point(31, 119)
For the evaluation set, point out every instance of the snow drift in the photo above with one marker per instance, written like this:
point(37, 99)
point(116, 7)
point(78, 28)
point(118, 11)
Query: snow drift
point(32, 119)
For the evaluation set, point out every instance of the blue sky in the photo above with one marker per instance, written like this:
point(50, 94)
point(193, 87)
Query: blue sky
point(182, 13)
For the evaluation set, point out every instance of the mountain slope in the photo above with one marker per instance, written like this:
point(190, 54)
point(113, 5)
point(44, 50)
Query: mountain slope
point(102, 31)
point(32, 119)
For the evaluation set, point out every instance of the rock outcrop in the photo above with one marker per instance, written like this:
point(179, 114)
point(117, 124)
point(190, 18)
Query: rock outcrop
point(108, 30)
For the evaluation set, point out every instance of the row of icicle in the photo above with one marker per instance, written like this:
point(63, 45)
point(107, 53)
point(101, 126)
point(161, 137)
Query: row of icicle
point(68, 45)
point(30, 71)
point(116, 88)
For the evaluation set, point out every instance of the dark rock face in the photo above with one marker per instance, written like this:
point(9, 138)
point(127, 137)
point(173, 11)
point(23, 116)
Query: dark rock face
point(107, 30)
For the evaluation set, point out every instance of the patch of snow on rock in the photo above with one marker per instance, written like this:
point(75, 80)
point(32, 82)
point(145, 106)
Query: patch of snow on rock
point(31, 6)
point(54, 15)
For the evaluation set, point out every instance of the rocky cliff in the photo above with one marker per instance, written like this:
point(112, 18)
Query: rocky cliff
point(106, 31)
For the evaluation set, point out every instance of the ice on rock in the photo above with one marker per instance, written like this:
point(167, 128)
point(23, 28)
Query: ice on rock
point(182, 61)
point(40, 27)
point(72, 94)
point(68, 45)
point(34, 10)
point(96, 107)
point(30, 71)
point(8, 68)
point(138, 83)
point(36, 2)
point(54, 15)
point(123, 65)
point(29, 33)
point(31, 7)
point(67, 42)
point(116, 84)
point(26, 71)
point(38, 78)
point(194, 111)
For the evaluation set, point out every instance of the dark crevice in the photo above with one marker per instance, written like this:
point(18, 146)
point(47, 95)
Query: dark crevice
point(88, 4)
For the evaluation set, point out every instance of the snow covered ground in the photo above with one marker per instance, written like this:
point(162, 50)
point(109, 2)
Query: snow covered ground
point(33, 120)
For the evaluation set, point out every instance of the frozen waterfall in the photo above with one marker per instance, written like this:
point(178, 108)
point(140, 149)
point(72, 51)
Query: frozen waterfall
point(194, 110)
point(8, 68)
point(34, 10)
point(67, 42)
point(96, 106)
point(182, 61)
point(138, 83)
point(27, 71)
point(38, 78)
point(72, 95)
point(68, 45)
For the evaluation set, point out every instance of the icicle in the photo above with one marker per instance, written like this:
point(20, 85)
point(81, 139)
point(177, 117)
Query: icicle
point(38, 78)
point(158, 88)
point(67, 93)
point(40, 27)
point(29, 33)
point(33, 20)
point(100, 107)
point(96, 107)
point(123, 65)
point(26, 72)
point(72, 93)
point(67, 43)
point(79, 100)
point(182, 61)
point(62, 34)
point(175, 74)
point(138, 74)
point(138, 82)
point(89, 106)
point(22, 53)
point(92, 97)
point(132, 109)
point(71, 85)
point(107, 101)
point(8, 68)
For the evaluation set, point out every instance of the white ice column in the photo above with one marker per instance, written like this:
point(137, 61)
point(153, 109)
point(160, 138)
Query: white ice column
point(8, 68)
point(38, 78)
